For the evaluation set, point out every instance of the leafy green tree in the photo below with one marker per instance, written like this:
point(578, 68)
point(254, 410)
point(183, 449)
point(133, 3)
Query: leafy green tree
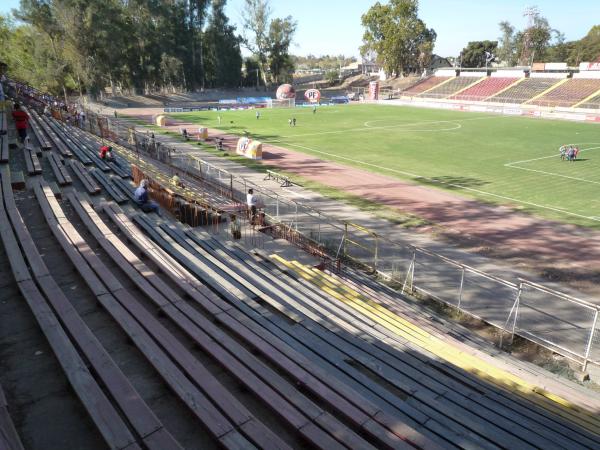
point(586, 49)
point(538, 37)
point(281, 64)
point(223, 59)
point(395, 33)
point(507, 49)
point(251, 73)
point(256, 18)
point(473, 55)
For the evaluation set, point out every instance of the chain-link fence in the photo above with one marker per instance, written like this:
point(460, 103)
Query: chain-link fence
point(564, 324)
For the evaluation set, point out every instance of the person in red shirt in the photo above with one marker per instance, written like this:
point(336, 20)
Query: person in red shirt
point(106, 153)
point(21, 119)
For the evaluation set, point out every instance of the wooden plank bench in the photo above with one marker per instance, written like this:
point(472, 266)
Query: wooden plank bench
point(284, 284)
point(214, 342)
point(283, 180)
point(4, 152)
point(57, 143)
point(115, 193)
point(521, 416)
point(102, 412)
point(284, 357)
point(17, 180)
point(225, 287)
point(59, 169)
point(32, 161)
point(126, 187)
point(86, 179)
point(116, 168)
point(130, 315)
point(123, 393)
point(62, 134)
point(37, 130)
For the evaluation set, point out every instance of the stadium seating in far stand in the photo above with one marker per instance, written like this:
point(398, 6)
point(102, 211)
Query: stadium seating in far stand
point(485, 89)
point(425, 85)
point(593, 102)
point(451, 87)
point(569, 93)
point(524, 91)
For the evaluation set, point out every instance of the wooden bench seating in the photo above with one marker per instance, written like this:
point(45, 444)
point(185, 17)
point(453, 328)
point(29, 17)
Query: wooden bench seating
point(84, 176)
point(115, 193)
point(17, 180)
point(32, 161)
point(59, 169)
point(56, 141)
point(283, 180)
point(522, 407)
point(238, 429)
point(90, 148)
point(116, 168)
point(4, 152)
point(102, 412)
point(284, 356)
point(282, 398)
point(9, 438)
point(349, 404)
point(530, 412)
point(126, 187)
point(63, 134)
point(38, 132)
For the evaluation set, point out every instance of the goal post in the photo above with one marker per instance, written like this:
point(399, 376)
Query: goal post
point(281, 103)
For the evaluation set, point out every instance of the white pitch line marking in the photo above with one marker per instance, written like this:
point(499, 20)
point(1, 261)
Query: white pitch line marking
point(552, 156)
point(523, 202)
point(366, 128)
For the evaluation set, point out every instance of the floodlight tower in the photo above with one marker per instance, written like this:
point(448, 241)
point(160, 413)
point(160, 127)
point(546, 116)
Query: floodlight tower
point(527, 54)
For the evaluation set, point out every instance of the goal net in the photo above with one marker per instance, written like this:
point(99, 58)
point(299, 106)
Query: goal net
point(284, 103)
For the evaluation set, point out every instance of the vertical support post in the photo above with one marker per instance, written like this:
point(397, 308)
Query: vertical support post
point(518, 302)
point(277, 207)
point(410, 274)
point(589, 344)
point(296, 216)
point(460, 291)
point(376, 255)
point(319, 224)
point(231, 187)
point(345, 238)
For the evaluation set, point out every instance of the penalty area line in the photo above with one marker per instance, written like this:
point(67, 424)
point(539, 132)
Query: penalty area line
point(433, 180)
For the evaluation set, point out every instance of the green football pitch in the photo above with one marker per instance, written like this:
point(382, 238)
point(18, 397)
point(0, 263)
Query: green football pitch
point(500, 159)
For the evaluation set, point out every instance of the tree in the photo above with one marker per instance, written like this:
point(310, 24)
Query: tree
point(251, 73)
point(537, 37)
point(507, 51)
point(223, 59)
point(474, 54)
point(281, 64)
point(395, 33)
point(256, 17)
point(586, 49)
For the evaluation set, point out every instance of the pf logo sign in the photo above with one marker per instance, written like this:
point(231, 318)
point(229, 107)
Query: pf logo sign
point(312, 95)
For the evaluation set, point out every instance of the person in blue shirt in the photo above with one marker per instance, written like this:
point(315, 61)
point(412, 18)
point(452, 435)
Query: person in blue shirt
point(142, 199)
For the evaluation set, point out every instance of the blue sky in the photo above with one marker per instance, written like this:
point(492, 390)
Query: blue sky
point(333, 26)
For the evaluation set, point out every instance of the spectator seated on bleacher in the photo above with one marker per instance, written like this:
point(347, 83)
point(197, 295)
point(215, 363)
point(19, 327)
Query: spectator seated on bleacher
point(106, 153)
point(142, 199)
point(176, 181)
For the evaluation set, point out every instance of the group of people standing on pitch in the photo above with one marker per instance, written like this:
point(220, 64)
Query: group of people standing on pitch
point(568, 152)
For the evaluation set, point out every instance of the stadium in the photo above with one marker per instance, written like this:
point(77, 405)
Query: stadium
point(369, 256)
